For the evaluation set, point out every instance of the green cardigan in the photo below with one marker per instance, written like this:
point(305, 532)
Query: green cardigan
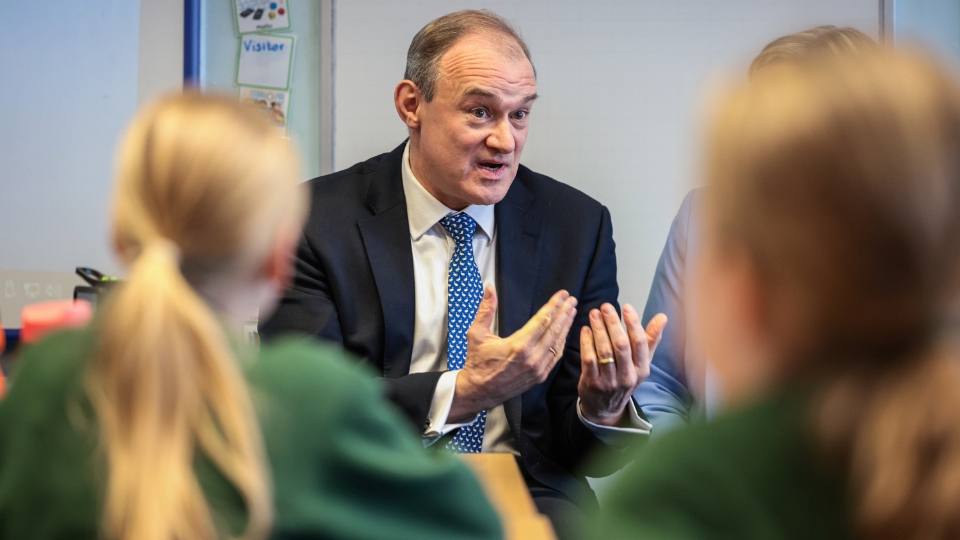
point(751, 474)
point(345, 464)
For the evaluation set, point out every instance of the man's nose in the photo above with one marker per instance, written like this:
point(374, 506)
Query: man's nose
point(501, 138)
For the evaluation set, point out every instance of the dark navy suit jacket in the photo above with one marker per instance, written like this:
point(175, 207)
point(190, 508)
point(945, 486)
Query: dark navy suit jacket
point(354, 285)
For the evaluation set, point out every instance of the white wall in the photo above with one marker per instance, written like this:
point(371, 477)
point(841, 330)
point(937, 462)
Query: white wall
point(160, 51)
point(621, 82)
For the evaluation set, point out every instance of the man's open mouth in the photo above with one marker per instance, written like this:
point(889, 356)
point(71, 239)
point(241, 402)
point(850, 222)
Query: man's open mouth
point(491, 166)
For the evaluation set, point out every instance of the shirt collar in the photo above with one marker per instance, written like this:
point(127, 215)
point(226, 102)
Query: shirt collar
point(424, 210)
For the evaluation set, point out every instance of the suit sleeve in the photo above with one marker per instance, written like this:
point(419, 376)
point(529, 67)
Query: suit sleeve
point(307, 307)
point(665, 397)
point(576, 440)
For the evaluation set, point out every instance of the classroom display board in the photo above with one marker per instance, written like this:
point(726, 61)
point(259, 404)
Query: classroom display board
point(277, 71)
point(622, 85)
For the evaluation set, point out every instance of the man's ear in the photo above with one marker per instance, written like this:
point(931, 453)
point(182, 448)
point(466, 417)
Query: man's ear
point(408, 99)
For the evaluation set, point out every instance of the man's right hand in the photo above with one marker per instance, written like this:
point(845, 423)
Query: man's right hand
point(497, 369)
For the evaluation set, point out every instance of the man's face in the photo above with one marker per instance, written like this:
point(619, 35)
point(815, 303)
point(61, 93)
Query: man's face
point(471, 135)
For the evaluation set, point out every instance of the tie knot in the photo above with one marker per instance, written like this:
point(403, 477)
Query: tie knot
point(460, 227)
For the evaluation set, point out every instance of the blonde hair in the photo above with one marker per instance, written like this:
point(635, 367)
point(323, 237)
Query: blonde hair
point(841, 179)
point(203, 187)
point(819, 40)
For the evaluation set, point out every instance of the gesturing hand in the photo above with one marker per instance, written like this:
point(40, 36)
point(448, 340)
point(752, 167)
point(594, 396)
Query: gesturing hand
point(497, 369)
point(615, 361)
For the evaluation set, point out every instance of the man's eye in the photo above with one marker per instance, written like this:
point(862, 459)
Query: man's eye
point(479, 113)
point(520, 115)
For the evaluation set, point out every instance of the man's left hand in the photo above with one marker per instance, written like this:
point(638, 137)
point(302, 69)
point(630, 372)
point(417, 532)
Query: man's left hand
point(615, 361)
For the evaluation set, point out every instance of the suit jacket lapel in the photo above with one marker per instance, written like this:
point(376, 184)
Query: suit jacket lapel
point(518, 265)
point(386, 238)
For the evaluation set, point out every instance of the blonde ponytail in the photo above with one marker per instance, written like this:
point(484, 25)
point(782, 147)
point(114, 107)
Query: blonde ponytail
point(896, 429)
point(203, 189)
point(163, 383)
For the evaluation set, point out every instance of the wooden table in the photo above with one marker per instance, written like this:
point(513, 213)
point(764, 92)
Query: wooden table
point(504, 485)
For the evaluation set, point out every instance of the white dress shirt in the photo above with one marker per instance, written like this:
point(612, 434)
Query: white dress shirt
point(432, 249)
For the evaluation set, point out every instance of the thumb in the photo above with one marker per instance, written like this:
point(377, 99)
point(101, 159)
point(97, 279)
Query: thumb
point(655, 330)
point(486, 313)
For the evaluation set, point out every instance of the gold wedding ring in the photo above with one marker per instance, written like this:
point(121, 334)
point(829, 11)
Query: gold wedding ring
point(607, 360)
point(553, 351)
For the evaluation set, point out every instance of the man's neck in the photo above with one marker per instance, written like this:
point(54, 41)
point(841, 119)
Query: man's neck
point(423, 178)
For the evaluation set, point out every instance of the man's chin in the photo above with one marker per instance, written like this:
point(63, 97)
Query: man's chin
point(490, 195)
point(487, 191)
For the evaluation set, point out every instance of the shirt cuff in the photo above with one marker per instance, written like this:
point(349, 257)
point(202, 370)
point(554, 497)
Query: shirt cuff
point(436, 425)
point(618, 435)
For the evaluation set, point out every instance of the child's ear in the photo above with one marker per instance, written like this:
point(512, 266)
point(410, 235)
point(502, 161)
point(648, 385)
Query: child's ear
point(277, 268)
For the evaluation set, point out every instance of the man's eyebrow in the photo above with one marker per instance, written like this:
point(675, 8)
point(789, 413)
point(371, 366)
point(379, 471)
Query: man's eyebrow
point(488, 94)
point(479, 92)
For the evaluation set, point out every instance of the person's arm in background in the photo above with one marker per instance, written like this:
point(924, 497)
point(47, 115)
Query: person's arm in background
point(665, 397)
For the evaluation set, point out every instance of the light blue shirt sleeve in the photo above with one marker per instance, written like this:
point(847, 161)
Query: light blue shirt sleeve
point(665, 397)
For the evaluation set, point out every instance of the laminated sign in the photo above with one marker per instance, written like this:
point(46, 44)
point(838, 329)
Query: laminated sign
point(265, 61)
point(261, 15)
point(274, 104)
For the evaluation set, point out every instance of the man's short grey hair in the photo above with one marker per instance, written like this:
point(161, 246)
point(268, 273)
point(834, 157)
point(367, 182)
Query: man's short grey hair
point(436, 38)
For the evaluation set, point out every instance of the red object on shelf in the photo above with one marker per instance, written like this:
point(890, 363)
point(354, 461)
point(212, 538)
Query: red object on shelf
point(281, 11)
point(38, 320)
point(3, 347)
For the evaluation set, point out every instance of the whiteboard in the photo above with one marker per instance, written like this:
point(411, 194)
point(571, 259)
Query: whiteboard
point(70, 70)
point(621, 83)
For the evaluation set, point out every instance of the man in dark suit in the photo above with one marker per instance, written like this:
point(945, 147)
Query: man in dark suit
point(431, 261)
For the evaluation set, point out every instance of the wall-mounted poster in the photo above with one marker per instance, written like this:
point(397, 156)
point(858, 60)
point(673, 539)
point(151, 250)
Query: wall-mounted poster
point(261, 15)
point(265, 61)
point(274, 104)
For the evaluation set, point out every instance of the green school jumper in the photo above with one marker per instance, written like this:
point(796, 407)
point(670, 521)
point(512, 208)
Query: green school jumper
point(344, 463)
point(750, 474)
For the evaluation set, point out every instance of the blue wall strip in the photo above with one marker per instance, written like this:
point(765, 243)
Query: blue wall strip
point(191, 43)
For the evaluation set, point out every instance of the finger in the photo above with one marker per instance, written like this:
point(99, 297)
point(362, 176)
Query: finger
point(642, 355)
point(560, 325)
point(562, 330)
point(655, 331)
point(608, 370)
point(588, 354)
point(540, 322)
point(486, 313)
point(550, 347)
point(620, 344)
point(638, 338)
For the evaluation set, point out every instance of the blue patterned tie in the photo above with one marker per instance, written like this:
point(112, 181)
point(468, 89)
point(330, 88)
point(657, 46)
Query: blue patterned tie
point(464, 292)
